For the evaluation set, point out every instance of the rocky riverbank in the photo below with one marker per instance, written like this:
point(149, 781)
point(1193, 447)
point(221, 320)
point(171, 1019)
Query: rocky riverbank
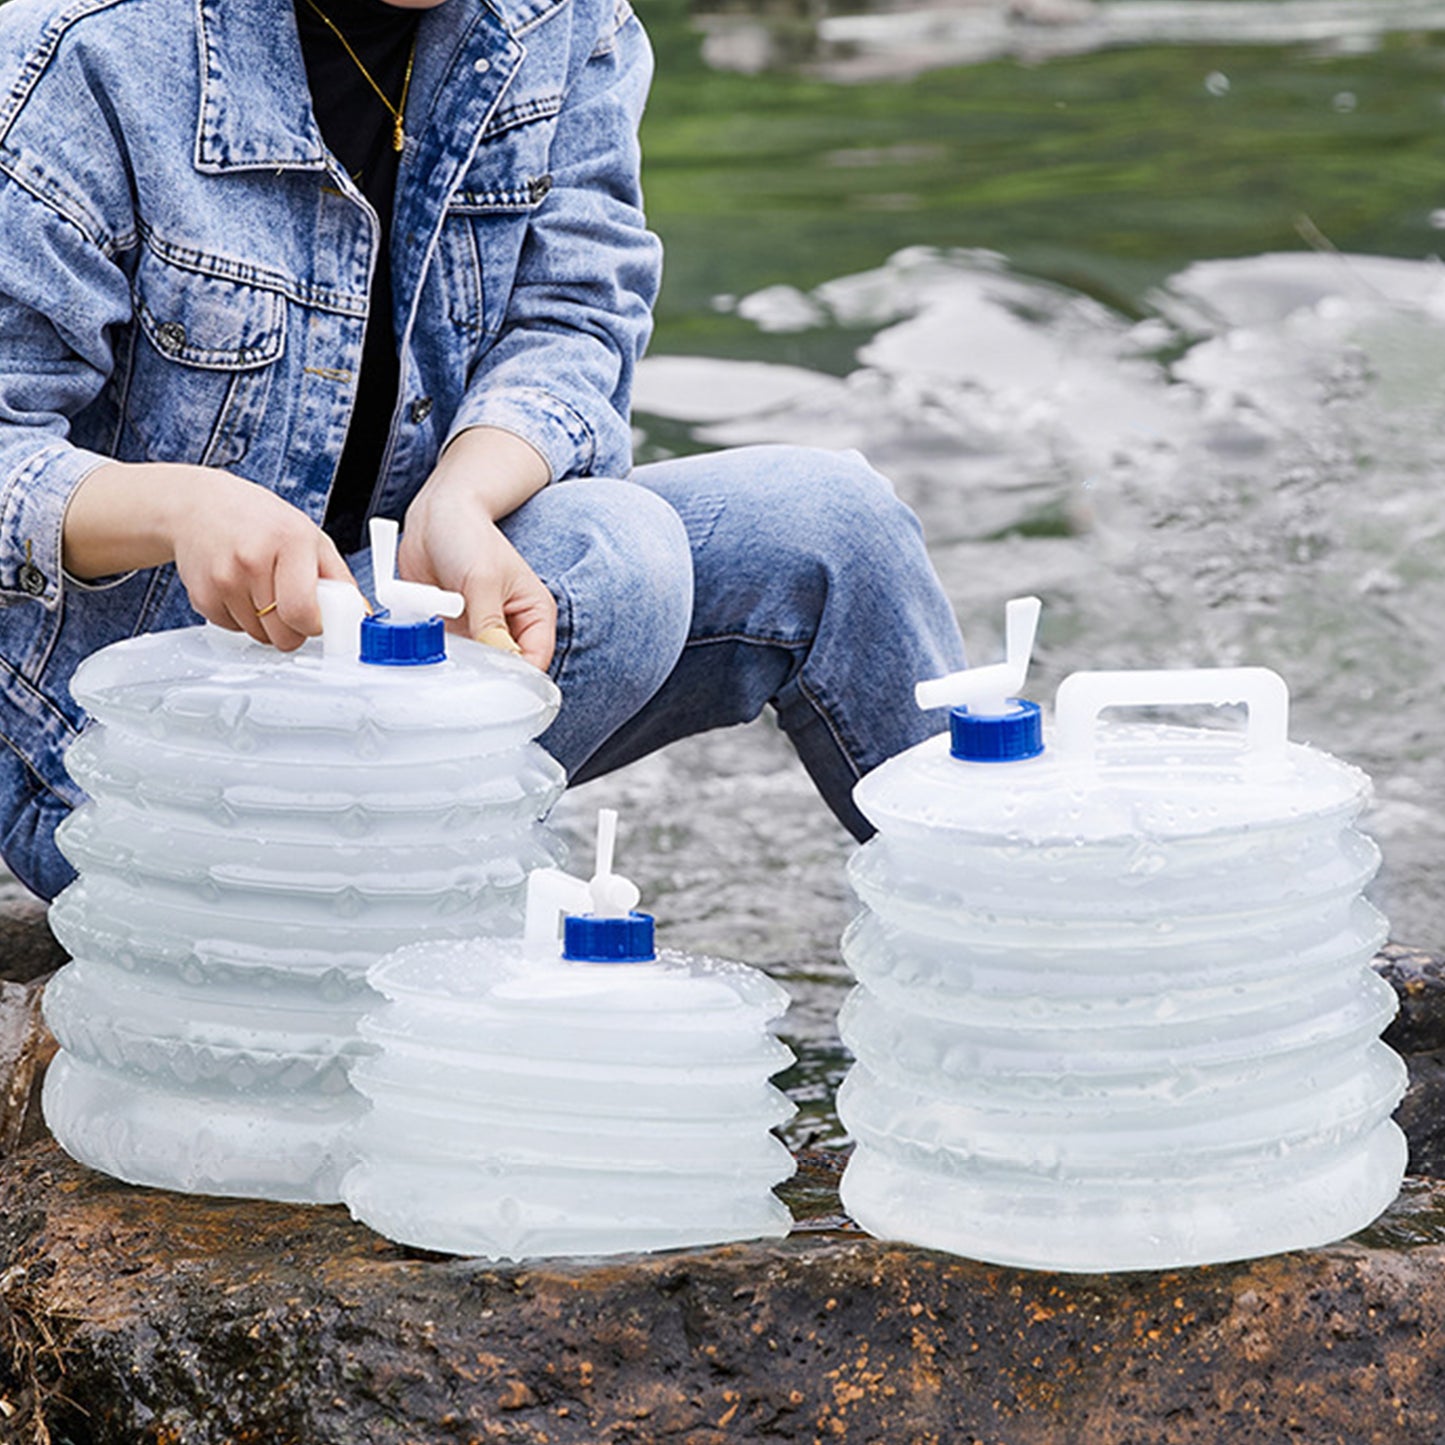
point(139, 1317)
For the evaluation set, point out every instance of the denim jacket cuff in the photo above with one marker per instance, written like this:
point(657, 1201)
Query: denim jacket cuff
point(559, 432)
point(32, 519)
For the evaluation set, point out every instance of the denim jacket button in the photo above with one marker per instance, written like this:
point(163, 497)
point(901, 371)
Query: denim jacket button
point(170, 337)
point(32, 579)
point(421, 409)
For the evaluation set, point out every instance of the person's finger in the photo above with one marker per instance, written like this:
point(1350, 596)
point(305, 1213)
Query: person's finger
point(245, 620)
point(330, 563)
point(532, 618)
point(249, 609)
point(297, 613)
point(412, 560)
point(208, 601)
point(499, 636)
point(280, 633)
point(485, 614)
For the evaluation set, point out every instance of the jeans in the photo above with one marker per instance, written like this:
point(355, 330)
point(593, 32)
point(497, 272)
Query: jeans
point(691, 597)
point(725, 583)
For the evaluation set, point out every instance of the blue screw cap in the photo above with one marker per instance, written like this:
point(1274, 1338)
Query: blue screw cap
point(589, 939)
point(1003, 738)
point(402, 644)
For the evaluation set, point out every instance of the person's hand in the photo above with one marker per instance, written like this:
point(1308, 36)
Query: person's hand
point(450, 539)
point(249, 561)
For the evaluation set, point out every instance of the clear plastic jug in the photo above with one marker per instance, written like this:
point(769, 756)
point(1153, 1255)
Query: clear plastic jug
point(605, 1097)
point(261, 828)
point(1115, 1007)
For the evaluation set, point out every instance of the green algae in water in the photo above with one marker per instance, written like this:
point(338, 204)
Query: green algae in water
point(1107, 171)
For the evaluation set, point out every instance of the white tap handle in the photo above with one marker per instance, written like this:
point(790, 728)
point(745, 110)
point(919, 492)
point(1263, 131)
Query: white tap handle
point(384, 534)
point(612, 895)
point(1084, 695)
point(406, 601)
point(550, 894)
point(1021, 627)
point(986, 690)
point(419, 600)
point(606, 839)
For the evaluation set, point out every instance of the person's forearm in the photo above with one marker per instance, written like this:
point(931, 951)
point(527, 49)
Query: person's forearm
point(121, 517)
point(496, 467)
point(248, 559)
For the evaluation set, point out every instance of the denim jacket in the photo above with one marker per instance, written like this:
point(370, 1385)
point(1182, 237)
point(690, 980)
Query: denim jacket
point(184, 271)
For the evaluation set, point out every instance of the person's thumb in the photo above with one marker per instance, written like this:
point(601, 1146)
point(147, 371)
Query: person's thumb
point(486, 621)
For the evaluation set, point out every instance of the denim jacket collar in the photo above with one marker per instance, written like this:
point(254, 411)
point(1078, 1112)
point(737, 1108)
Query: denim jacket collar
point(255, 104)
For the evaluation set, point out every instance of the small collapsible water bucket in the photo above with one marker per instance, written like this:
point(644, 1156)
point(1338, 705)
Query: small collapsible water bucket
point(602, 1097)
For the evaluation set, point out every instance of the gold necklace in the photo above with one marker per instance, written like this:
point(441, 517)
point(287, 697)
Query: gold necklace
point(398, 111)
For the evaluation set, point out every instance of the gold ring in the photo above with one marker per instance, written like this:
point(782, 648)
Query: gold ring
point(267, 610)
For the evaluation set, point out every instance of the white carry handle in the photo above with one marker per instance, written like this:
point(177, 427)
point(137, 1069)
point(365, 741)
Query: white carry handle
point(1084, 695)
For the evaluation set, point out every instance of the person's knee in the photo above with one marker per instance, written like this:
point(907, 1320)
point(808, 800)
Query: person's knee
point(625, 589)
point(837, 516)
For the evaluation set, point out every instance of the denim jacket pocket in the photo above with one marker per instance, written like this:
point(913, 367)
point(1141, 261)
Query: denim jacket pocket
point(200, 363)
point(488, 215)
point(459, 267)
point(39, 653)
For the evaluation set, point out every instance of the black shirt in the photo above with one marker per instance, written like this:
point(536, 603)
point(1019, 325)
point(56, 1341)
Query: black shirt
point(359, 129)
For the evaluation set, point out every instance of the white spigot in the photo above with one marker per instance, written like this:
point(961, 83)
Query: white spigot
point(986, 691)
point(405, 601)
point(342, 608)
point(551, 892)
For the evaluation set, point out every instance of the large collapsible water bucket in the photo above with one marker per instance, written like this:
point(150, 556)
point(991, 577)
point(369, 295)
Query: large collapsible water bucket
point(1115, 1005)
point(262, 828)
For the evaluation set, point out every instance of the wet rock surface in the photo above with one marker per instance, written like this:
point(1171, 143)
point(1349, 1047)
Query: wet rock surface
point(1418, 1035)
point(135, 1317)
point(28, 956)
point(141, 1316)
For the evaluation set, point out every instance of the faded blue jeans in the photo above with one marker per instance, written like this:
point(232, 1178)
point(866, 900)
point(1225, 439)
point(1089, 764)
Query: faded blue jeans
point(711, 587)
point(691, 597)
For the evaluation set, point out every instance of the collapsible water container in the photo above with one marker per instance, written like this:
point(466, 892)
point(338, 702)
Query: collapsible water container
point(609, 1097)
point(261, 828)
point(1115, 1007)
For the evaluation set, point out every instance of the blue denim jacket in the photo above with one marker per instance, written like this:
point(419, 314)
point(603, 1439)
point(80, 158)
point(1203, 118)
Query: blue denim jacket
point(184, 272)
